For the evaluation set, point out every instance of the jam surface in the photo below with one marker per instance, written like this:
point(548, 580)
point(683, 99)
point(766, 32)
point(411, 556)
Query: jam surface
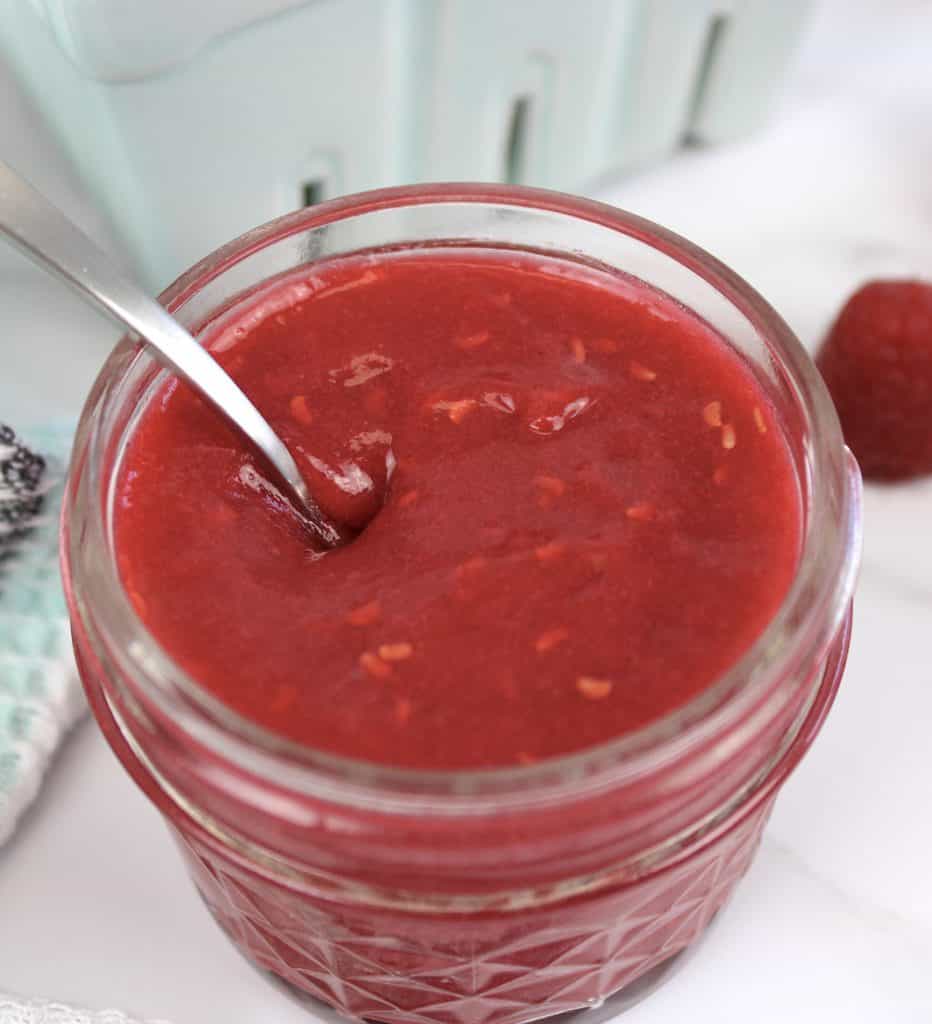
point(579, 510)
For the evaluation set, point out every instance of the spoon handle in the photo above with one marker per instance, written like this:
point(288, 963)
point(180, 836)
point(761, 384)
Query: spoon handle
point(44, 234)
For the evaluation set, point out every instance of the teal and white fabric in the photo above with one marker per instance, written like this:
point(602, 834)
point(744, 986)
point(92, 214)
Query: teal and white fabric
point(40, 696)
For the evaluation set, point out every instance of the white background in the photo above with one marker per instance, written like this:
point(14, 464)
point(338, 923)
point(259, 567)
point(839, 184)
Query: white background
point(834, 922)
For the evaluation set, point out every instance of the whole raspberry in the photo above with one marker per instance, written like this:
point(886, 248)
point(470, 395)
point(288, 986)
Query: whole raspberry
point(877, 363)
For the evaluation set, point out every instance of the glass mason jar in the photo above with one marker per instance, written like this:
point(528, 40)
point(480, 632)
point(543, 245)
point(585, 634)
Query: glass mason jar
point(473, 897)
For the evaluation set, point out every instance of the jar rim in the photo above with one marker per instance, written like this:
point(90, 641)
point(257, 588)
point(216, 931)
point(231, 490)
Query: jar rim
point(801, 629)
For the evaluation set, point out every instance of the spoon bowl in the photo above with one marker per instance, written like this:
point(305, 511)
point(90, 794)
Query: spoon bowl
point(45, 235)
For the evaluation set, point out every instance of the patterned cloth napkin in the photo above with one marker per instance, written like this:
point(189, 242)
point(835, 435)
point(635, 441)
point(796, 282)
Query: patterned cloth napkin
point(35, 1011)
point(40, 697)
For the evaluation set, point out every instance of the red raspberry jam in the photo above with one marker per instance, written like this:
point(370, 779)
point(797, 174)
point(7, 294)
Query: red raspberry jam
point(507, 753)
point(581, 510)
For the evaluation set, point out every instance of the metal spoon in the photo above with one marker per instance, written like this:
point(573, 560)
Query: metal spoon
point(44, 234)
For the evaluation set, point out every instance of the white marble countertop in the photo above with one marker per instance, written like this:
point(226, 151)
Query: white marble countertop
point(834, 922)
